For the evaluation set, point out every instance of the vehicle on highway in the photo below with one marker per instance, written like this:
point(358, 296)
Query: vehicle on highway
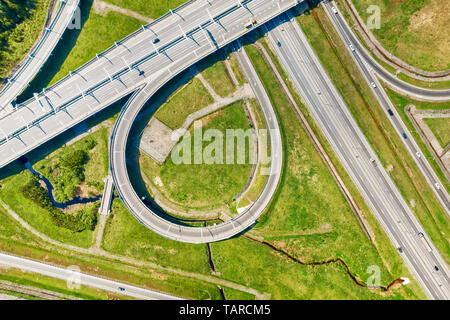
point(437, 186)
point(404, 135)
point(352, 48)
point(373, 84)
point(374, 163)
point(424, 241)
point(279, 43)
point(141, 72)
point(418, 154)
point(156, 40)
point(250, 24)
point(436, 268)
point(334, 10)
point(121, 289)
point(400, 249)
point(390, 112)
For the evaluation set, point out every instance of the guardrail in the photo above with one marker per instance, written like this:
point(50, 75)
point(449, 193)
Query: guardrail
point(47, 31)
point(155, 88)
point(113, 77)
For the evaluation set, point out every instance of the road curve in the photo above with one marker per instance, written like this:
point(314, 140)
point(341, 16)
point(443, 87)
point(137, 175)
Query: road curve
point(166, 228)
point(401, 86)
point(36, 59)
point(76, 277)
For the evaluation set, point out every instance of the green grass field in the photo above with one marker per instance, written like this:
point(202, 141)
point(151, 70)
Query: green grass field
point(17, 40)
point(441, 129)
point(186, 100)
point(150, 8)
point(414, 31)
point(217, 77)
point(98, 33)
point(203, 186)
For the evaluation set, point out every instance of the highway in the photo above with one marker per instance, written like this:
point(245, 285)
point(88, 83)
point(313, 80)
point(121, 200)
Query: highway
point(37, 58)
point(403, 87)
point(75, 277)
point(367, 67)
point(157, 48)
point(354, 152)
point(179, 232)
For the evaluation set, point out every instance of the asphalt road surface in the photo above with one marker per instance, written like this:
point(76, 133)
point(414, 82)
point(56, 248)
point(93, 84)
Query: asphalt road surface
point(354, 151)
point(37, 58)
point(367, 66)
point(75, 278)
point(179, 232)
point(164, 46)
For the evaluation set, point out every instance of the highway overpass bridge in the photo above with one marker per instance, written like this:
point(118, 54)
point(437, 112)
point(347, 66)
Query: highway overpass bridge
point(140, 65)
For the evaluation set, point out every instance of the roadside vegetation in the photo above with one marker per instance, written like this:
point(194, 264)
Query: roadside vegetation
point(414, 31)
point(75, 170)
point(217, 77)
point(376, 127)
point(186, 100)
point(21, 23)
point(203, 186)
point(308, 212)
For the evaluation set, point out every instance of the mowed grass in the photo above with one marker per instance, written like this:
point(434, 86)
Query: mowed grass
point(149, 8)
point(37, 217)
point(145, 245)
point(440, 128)
point(203, 186)
point(56, 285)
point(98, 34)
point(309, 217)
point(188, 99)
point(217, 77)
point(378, 130)
point(96, 168)
point(414, 31)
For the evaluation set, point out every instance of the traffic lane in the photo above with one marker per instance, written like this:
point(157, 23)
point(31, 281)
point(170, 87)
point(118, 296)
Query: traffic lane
point(413, 149)
point(305, 81)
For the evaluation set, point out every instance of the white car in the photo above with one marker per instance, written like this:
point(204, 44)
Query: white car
point(418, 154)
point(352, 48)
point(437, 186)
point(334, 10)
point(373, 84)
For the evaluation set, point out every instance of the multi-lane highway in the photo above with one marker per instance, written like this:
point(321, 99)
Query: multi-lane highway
point(367, 67)
point(179, 232)
point(358, 158)
point(74, 277)
point(36, 59)
point(159, 47)
point(403, 87)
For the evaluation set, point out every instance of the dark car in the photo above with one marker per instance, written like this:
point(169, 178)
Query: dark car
point(404, 135)
point(121, 289)
point(279, 43)
point(436, 268)
point(390, 112)
point(400, 249)
point(155, 41)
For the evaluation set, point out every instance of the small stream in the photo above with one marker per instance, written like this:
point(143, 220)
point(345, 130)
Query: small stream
point(49, 186)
